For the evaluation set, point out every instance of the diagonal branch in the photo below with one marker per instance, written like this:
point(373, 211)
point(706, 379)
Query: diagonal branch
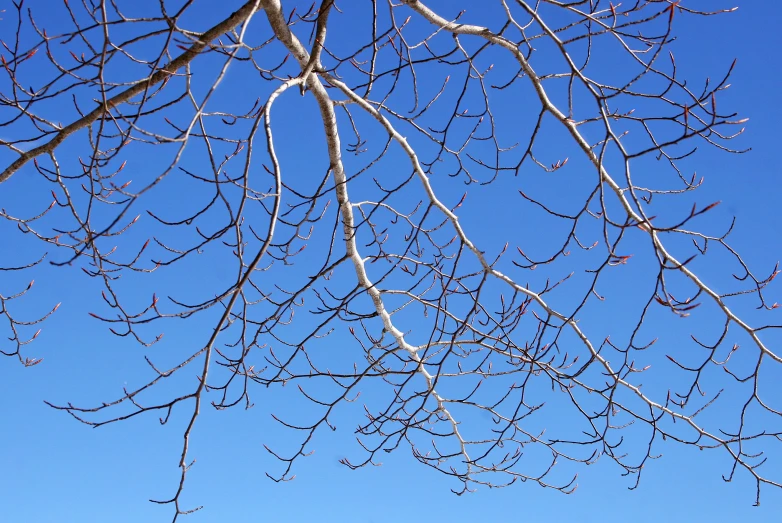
point(158, 76)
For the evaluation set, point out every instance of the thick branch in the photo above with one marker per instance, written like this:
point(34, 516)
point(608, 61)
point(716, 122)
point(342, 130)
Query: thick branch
point(158, 76)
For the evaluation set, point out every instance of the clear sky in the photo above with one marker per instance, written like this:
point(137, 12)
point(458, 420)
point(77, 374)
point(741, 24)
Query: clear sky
point(55, 470)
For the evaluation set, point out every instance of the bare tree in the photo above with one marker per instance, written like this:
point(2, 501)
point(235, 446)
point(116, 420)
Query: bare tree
point(495, 330)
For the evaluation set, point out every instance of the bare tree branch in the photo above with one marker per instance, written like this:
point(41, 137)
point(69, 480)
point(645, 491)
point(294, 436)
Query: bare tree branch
point(493, 348)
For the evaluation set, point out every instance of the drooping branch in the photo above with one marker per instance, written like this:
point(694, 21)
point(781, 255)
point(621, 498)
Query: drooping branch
point(465, 323)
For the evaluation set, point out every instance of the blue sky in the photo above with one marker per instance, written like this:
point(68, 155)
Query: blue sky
point(57, 470)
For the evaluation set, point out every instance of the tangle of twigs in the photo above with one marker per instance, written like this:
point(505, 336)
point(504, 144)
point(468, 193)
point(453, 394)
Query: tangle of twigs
point(468, 324)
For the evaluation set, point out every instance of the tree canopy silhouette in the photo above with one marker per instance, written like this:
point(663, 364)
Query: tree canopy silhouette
point(480, 231)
